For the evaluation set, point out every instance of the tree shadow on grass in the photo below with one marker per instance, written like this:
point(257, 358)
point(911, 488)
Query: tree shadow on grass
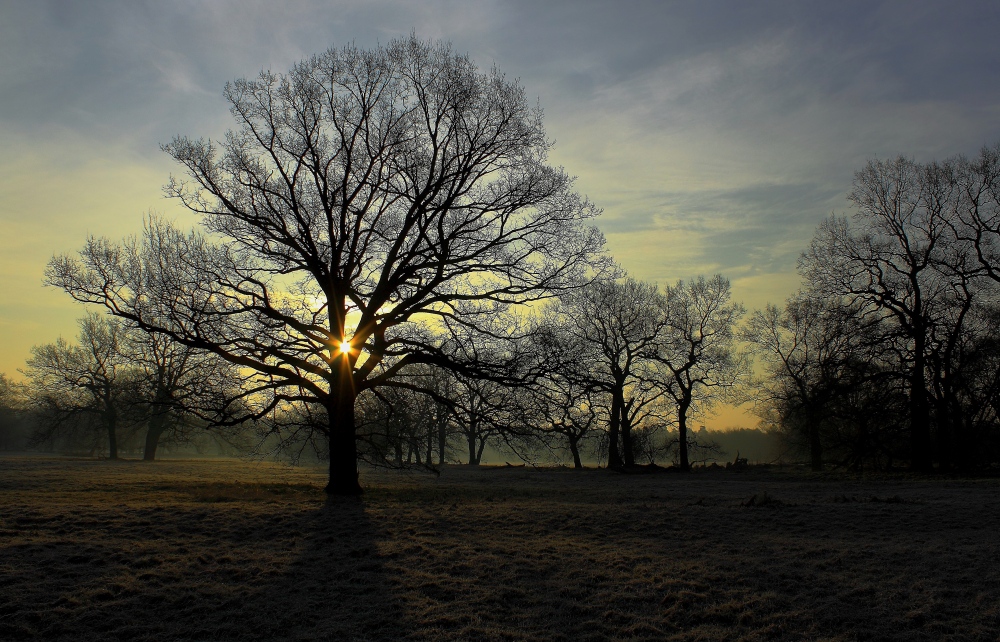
point(337, 588)
point(196, 573)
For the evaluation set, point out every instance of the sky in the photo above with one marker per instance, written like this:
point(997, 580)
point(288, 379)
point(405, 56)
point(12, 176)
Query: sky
point(715, 135)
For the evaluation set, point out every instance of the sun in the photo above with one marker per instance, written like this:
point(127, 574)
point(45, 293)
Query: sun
point(345, 347)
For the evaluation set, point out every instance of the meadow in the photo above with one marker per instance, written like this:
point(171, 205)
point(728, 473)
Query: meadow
point(233, 550)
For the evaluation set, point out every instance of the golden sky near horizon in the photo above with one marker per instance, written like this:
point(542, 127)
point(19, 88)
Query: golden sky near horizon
point(715, 135)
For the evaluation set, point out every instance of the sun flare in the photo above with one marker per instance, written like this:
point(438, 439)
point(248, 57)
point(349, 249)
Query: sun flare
point(345, 347)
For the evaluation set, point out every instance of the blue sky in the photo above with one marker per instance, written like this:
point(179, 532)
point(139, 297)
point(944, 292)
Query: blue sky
point(715, 134)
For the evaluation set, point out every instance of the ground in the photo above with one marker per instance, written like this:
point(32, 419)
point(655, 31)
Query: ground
point(229, 550)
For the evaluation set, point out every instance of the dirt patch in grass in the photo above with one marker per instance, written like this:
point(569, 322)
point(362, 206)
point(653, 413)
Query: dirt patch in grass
point(224, 550)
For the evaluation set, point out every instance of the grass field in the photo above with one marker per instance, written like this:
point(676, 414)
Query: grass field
point(227, 550)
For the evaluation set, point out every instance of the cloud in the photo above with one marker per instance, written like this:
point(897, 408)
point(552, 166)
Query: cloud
point(715, 134)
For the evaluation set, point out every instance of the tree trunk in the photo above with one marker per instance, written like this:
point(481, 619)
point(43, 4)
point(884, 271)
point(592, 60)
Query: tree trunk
point(682, 435)
point(430, 444)
point(920, 427)
point(442, 440)
point(628, 447)
point(157, 425)
point(479, 453)
point(397, 447)
point(614, 455)
point(343, 440)
point(575, 449)
point(471, 440)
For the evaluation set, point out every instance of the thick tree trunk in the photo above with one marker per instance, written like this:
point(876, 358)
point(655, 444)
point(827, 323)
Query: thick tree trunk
point(479, 452)
point(920, 426)
point(343, 441)
point(682, 435)
point(470, 439)
point(628, 446)
point(614, 455)
point(157, 425)
point(575, 449)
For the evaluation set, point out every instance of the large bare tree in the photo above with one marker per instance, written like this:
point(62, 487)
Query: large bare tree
point(898, 260)
point(363, 197)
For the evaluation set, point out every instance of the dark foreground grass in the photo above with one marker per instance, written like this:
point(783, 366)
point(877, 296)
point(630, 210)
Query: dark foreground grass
point(223, 550)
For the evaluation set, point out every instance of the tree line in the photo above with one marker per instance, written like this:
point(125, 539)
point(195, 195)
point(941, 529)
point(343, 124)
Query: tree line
point(602, 371)
point(114, 388)
point(888, 353)
point(389, 267)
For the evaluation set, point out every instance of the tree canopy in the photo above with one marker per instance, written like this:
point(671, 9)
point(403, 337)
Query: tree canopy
point(364, 198)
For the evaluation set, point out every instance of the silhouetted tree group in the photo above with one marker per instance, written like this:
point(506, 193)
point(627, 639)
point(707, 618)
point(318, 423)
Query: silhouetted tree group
point(382, 227)
point(119, 384)
point(888, 353)
point(392, 272)
point(368, 202)
point(641, 359)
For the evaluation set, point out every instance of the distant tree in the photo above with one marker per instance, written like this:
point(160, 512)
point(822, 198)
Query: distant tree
point(431, 391)
point(12, 406)
point(804, 348)
point(181, 389)
point(486, 412)
point(566, 412)
point(88, 380)
point(696, 348)
point(364, 196)
point(410, 421)
point(614, 324)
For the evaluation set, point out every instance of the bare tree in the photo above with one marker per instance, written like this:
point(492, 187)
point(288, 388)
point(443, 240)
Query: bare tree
point(182, 388)
point(409, 421)
point(363, 197)
point(615, 324)
point(67, 381)
point(12, 406)
point(565, 410)
point(481, 414)
point(696, 348)
point(892, 264)
point(977, 206)
point(809, 349)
